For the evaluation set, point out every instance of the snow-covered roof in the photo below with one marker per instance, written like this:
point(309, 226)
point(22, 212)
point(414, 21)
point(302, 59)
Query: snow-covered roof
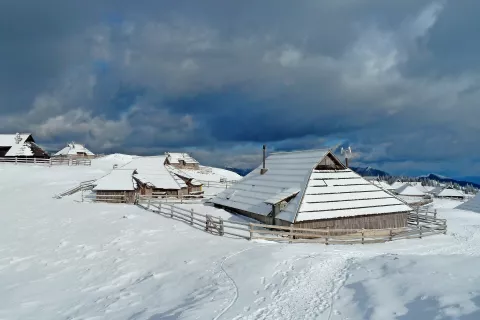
point(117, 180)
point(409, 190)
point(450, 193)
point(396, 185)
point(74, 149)
point(8, 140)
point(424, 189)
point(175, 157)
point(152, 171)
point(18, 144)
point(183, 174)
point(322, 194)
point(471, 205)
point(382, 184)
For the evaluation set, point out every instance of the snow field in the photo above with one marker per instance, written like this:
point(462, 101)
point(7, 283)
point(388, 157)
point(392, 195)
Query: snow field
point(60, 259)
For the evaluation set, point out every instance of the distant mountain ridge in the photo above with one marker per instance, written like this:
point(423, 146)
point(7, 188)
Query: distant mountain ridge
point(439, 178)
point(370, 172)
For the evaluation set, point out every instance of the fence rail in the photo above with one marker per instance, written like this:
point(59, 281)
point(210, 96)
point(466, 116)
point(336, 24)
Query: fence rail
point(84, 185)
point(49, 162)
point(424, 225)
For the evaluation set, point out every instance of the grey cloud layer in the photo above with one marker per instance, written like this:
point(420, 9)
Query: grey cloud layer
point(381, 75)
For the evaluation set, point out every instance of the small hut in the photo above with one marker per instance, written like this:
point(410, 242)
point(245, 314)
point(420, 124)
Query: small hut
point(75, 150)
point(450, 193)
point(312, 189)
point(20, 145)
point(155, 179)
point(408, 190)
point(116, 187)
point(181, 160)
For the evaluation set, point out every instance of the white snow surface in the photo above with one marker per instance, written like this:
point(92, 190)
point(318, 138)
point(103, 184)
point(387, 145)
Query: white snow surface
point(410, 191)
point(175, 157)
point(450, 192)
point(60, 259)
point(152, 171)
point(118, 179)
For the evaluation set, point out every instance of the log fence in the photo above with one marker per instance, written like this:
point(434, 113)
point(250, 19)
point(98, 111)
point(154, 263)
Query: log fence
point(47, 162)
point(427, 225)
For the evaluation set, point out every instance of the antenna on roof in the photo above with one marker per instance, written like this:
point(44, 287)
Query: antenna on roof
point(347, 153)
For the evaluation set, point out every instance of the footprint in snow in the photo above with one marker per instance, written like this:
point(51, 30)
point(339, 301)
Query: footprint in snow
point(256, 292)
point(262, 280)
point(259, 300)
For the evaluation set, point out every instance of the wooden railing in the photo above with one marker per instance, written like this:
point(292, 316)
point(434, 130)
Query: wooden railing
point(84, 185)
point(48, 162)
point(217, 225)
point(174, 199)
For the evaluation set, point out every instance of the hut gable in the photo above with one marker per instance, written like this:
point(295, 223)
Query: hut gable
point(471, 205)
point(74, 149)
point(20, 145)
point(117, 180)
point(310, 185)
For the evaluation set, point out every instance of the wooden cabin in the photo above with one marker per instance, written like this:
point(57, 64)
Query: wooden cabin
point(312, 189)
point(154, 178)
point(181, 161)
point(20, 145)
point(118, 186)
point(75, 151)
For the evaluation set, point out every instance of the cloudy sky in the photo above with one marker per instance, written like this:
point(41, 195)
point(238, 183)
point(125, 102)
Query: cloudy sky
point(399, 81)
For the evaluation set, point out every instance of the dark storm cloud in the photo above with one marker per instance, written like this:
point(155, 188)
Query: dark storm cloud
point(397, 80)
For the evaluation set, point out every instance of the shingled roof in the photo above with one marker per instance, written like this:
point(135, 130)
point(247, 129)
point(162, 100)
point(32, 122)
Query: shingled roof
point(312, 191)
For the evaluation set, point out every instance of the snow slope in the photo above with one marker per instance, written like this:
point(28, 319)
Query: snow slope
point(60, 259)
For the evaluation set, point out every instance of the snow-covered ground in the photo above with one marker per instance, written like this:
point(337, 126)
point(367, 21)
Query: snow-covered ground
point(61, 259)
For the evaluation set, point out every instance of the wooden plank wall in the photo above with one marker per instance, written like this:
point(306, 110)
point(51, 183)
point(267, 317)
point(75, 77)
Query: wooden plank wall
point(378, 221)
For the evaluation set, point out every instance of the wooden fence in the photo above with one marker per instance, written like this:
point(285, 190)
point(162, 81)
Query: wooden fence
point(47, 162)
point(217, 225)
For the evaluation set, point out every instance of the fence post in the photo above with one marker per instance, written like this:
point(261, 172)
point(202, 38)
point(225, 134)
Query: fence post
point(418, 222)
point(420, 232)
point(50, 162)
point(171, 212)
point(435, 214)
point(328, 235)
point(291, 233)
point(363, 236)
point(191, 217)
point(34, 160)
point(15, 160)
point(391, 235)
point(251, 231)
point(148, 203)
point(221, 226)
point(445, 227)
point(206, 222)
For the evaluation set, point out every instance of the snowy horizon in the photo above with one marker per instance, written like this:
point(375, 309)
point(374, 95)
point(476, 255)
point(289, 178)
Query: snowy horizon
point(399, 82)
